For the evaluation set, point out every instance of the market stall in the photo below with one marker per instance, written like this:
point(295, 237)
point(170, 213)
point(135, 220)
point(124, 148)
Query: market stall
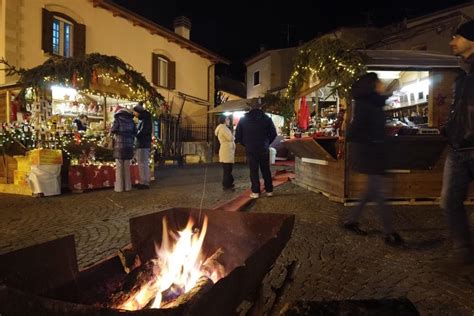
point(43, 113)
point(420, 84)
point(236, 109)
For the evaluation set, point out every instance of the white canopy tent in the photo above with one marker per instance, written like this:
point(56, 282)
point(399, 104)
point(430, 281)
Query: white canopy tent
point(234, 105)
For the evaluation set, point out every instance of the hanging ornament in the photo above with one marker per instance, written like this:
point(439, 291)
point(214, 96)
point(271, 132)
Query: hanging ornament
point(74, 80)
point(106, 80)
point(94, 77)
point(77, 137)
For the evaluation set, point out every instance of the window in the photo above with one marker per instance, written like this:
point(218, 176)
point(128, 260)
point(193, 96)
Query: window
point(163, 71)
point(62, 37)
point(256, 78)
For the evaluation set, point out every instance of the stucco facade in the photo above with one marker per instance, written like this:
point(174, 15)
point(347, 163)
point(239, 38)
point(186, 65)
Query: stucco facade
point(274, 67)
point(429, 32)
point(112, 34)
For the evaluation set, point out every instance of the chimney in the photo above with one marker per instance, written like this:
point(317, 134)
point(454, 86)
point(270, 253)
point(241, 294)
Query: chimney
point(182, 26)
point(262, 48)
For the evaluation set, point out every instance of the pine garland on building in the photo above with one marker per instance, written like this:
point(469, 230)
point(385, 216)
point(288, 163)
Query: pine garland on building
point(331, 61)
point(80, 72)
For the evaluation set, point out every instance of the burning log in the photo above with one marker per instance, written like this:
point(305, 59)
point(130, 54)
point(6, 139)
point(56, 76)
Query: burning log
point(130, 260)
point(212, 268)
point(203, 285)
point(137, 288)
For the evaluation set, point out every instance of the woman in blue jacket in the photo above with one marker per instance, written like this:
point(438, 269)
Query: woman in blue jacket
point(124, 130)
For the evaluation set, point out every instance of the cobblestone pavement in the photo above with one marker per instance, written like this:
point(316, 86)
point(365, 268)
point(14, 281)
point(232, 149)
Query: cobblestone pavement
point(99, 219)
point(335, 265)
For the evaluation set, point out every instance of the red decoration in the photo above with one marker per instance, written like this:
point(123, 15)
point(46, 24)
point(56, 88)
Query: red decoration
point(303, 115)
point(77, 138)
point(74, 80)
point(14, 107)
point(96, 177)
point(94, 77)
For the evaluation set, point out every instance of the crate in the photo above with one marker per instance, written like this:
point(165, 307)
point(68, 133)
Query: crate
point(23, 163)
point(20, 178)
point(45, 157)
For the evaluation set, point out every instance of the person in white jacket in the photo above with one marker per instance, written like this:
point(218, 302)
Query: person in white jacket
point(226, 151)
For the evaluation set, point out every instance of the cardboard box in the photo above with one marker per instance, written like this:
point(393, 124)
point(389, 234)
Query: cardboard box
point(45, 157)
point(23, 163)
point(20, 177)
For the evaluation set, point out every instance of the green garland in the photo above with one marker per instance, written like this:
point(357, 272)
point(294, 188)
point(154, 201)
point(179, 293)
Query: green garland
point(62, 70)
point(332, 61)
point(282, 105)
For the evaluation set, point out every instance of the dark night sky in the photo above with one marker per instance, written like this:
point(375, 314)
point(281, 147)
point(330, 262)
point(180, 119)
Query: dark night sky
point(236, 29)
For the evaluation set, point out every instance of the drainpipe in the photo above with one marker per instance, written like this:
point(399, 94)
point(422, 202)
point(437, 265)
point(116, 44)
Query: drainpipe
point(209, 98)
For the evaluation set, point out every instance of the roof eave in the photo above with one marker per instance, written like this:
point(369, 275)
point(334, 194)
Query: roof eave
point(156, 29)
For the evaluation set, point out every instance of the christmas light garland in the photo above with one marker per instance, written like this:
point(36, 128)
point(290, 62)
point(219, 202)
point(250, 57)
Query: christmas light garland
point(81, 73)
point(331, 61)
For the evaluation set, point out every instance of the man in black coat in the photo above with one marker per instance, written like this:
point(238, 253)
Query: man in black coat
point(256, 132)
point(459, 129)
point(144, 133)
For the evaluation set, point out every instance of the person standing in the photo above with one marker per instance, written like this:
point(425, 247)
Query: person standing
point(124, 130)
point(459, 130)
point(256, 132)
point(144, 135)
point(81, 123)
point(226, 151)
point(366, 137)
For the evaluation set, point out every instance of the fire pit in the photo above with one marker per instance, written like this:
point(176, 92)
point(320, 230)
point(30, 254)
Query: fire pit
point(237, 251)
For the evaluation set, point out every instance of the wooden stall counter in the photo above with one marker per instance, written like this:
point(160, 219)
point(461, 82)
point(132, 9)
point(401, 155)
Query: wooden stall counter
point(317, 166)
point(415, 168)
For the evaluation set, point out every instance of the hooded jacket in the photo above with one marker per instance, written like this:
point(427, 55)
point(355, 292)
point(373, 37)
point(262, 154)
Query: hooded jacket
point(255, 131)
point(124, 130)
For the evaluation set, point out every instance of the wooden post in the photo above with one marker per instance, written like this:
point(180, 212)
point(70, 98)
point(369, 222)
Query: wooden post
point(8, 104)
point(105, 113)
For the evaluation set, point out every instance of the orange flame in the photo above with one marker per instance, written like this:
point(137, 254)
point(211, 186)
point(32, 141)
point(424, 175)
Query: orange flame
point(177, 268)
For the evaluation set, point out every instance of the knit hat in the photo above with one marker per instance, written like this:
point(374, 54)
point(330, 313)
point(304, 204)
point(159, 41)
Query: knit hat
point(139, 107)
point(118, 108)
point(466, 30)
point(255, 103)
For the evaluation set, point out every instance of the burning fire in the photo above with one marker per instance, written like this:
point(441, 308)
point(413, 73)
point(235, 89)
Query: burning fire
point(178, 268)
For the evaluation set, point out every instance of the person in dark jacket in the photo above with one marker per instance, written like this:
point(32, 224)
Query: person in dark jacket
point(366, 137)
point(81, 122)
point(124, 130)
point(256, 132)
point(144, 133)
point(459, 165)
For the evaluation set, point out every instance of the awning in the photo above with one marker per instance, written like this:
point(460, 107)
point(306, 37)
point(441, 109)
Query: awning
point(232, 106)
point(402, 59)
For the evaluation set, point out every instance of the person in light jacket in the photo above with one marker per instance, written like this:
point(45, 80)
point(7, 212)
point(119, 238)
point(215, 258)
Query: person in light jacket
point(124, 130)
point(226, 151)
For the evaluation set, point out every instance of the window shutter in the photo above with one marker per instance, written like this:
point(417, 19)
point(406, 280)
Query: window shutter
point(47, 32)
point(171, 75)
point(154, 69)
point(79, 39)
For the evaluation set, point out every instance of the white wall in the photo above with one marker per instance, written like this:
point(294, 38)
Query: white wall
point(264, 66)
